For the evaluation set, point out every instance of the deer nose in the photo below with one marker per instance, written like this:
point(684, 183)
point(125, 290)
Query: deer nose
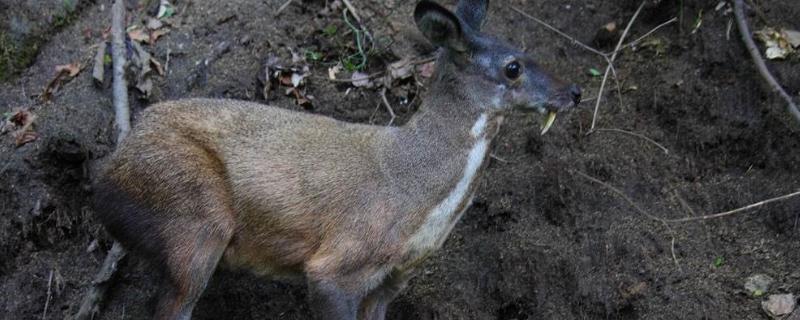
point(575, 93)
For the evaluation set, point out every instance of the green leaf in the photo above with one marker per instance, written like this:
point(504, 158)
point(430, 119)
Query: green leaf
point(330, 30)
point(107, 59)
point(349, 65)
point(166, 11)
point(718, 262)
point(313, 55)
point(594, 72)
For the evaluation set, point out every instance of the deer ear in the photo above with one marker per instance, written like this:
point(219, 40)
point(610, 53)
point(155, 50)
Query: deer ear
point(472, 12)
point(440, 26)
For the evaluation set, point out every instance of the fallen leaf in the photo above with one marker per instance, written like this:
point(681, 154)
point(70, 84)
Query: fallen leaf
point(99, 68)
point(778, 47)
point(157, 34)
point(159, 68)
point(332, 71)
point(23, 137)
point(63, 73)
point(793, 37)
point(400, 70)
point(426, 70)
point(139, 35)
point(165, 10)
point(297, 79)
point(72, 69)
point(594, 72)
point(154, 24)
point(139, 65)
point(20, 122)
point(360, 79)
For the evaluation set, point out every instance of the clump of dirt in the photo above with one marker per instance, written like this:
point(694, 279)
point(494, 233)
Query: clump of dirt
point(541, 240)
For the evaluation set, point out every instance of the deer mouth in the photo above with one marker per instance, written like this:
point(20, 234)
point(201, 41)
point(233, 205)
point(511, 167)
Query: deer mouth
point(551, 109)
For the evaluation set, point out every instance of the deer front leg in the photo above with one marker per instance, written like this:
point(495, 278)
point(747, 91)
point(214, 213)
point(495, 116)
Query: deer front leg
point(376, 303)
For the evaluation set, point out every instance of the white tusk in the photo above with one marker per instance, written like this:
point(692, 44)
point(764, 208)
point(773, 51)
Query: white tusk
point(551, 117)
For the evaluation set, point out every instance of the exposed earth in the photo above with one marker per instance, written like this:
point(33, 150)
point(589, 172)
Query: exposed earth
point(541, 240)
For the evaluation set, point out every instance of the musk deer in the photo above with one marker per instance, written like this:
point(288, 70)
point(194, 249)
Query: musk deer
point(352, 207)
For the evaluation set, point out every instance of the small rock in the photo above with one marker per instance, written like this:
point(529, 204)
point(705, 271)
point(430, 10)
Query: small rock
point(758, 284)
point(779, 305)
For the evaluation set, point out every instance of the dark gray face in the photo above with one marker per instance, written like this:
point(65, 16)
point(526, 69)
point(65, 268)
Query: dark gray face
point(504, 76)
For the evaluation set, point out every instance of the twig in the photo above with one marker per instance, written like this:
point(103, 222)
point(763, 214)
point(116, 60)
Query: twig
point(419, 61)
point(388, 106)
point(635, 42)
point(494, 156)
point(672, 250)
point(621, 194)
point(734, 211)
point(744, 30)
point(91, 302)
point(666, 151)
point(283, 7)
point(120, 85)
point(639, 209)
point(47, 300)
point(610, 63)
point(561, 33)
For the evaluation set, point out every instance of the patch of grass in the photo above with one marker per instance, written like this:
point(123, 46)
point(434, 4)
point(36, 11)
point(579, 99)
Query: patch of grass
point(16, 56)
point(314, 56)
point(330, 31)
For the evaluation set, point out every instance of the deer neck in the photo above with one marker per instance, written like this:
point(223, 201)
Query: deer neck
point(435, 159)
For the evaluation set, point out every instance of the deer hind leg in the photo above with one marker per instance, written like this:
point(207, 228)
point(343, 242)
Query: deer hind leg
point(190, 263)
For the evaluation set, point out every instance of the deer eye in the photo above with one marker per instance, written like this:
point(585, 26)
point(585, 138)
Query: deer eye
point(513, 70)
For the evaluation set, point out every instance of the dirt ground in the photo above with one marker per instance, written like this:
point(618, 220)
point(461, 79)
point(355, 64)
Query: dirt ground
point(540, 242)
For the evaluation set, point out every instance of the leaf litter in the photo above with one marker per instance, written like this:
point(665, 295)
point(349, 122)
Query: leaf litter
point(20, 124)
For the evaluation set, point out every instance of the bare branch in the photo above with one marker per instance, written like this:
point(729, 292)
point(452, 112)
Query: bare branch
point(737, 210)
point(611, 62)
point(90, 304)
point(120, 85)
point(666, 151)
point(559, 32)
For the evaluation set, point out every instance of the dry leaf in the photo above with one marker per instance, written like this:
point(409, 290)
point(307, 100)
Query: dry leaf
point(297, 79)
point(778, 46)
point(154, 24)
point(793, 37)
point(72, 69)
point(332, 71)
point(157, 34)
point(99, 68)
point(21, 122)
point(23, 137)
point(159, 68)
point(139, 35)
point(400, 70)
point(63, 73)
point(360, 79)
point(426, 70)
